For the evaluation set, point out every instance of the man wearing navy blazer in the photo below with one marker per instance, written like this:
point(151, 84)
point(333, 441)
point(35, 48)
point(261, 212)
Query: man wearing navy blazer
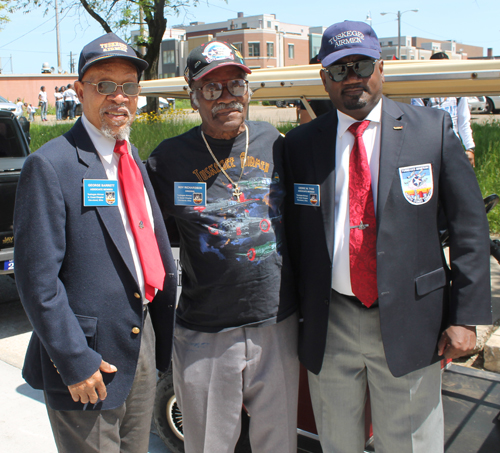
point(380, 306)
point(98, 307)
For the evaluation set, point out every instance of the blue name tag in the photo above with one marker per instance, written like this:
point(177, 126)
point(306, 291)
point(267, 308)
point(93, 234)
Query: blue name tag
point(100, 192)
point(190, 193)
point(306, 194)
point(8, 265)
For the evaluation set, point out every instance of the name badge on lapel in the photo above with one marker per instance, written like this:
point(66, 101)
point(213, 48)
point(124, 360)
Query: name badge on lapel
point(100, 192)
point(190, 193)
point(306, 194)
point(417, 183)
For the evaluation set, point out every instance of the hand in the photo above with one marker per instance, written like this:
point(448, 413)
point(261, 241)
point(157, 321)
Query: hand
point(85, 391)
point(457, 341)
point(470, 154)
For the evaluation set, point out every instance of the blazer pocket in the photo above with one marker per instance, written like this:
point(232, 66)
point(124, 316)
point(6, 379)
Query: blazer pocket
point(89, 327)
point(430, 281)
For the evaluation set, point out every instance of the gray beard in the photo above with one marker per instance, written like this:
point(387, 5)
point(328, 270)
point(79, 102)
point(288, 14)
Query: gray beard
point(122, 134)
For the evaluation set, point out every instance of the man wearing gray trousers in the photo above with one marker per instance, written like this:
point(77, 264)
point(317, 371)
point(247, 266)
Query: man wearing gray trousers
point(236, 332)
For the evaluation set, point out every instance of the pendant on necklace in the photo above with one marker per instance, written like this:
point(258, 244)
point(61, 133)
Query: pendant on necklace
point(237, 192)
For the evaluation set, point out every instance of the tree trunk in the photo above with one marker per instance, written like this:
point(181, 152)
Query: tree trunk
point(157, 25)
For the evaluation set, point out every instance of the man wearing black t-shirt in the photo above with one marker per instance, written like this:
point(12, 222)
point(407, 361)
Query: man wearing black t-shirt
point(236, 332)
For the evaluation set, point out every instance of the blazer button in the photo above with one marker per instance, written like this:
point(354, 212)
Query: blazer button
point(136, 330)
point(326, 302)
point(137, 295)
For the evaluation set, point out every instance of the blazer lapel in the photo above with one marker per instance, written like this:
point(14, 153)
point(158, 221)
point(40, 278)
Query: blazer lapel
point(110, 216)
point(391, 143)
point(324, 168)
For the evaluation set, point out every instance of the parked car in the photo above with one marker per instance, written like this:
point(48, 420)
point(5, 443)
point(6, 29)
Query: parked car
point(142, 104)
point(10, 107)
point(14, 149)
point(477, 104)
point(492, 104)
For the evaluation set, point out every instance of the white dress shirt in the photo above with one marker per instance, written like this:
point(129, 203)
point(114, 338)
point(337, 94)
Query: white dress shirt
point(105, 147)
point(341, 276)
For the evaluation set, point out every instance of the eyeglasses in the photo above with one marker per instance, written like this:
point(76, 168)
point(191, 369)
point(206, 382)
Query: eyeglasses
point(362, 68)
point(107, 88)
point(213, 90)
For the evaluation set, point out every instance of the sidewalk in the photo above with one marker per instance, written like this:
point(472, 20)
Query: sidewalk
point(24, 425)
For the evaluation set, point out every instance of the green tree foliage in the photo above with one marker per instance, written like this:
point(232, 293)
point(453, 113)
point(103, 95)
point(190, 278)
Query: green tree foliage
point(5, 8)
point(123, 16)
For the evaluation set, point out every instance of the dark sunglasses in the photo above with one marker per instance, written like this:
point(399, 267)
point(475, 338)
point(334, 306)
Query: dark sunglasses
point(213, 90)
point(107, 88)
point(362, 68)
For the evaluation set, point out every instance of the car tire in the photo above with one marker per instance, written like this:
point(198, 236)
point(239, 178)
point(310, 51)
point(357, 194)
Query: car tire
point(490, 107)
point(281, 104)
point(168, 419)
point(167, 415)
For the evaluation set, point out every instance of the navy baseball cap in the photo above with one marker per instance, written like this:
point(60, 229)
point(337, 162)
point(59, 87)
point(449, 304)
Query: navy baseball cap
point(348, 38)
point(108, 46)
point(212, 55)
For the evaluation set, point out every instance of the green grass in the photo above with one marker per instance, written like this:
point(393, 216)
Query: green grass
point(487, 139)
point(148, 132)
point(41, 133)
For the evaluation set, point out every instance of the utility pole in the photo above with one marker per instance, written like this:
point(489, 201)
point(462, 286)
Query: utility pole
point(71, 63)
point(398, 15)
point(59, 66)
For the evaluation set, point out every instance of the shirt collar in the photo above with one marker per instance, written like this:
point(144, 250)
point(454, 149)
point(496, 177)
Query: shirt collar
point(345, 121)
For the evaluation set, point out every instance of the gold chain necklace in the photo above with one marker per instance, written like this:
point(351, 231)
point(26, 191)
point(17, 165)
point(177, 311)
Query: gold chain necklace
point(236, 190)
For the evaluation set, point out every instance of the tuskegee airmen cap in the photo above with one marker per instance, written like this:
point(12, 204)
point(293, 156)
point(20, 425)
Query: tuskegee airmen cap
point(348, 38)
point(212, 55)
point(108, 46)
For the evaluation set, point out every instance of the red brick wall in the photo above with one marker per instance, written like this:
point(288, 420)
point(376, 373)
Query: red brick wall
point(27, 87)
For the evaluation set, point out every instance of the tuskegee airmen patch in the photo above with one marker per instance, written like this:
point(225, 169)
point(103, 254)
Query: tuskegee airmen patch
point(417, 183)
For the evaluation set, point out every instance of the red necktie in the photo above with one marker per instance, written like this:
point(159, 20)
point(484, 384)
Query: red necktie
point(132, 187)
point(363, 231)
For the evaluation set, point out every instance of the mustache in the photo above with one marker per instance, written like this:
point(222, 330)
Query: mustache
point(120, 108)
point(354, 86)
point(232, 105)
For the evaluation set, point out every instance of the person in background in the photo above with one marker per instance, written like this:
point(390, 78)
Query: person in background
point(380, 306)
point(458, 108)
point(69, 96)
point(31, 113)
point(42, 103)
point(20, 106)
point(59, 103)
point(94, 268)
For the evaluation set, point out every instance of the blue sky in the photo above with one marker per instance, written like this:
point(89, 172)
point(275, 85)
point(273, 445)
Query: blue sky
point(31, 38)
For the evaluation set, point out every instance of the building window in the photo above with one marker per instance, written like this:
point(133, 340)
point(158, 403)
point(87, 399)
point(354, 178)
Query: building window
point(254, 49)
point(244, 25)
point(268, 24)
point(168, 56)
point(389, 43)
point(291, 51)
point(239, 46)
point(270, 49)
